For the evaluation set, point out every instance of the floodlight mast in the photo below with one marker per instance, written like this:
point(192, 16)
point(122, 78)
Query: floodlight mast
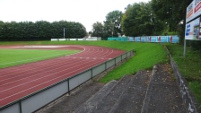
point(64, 32)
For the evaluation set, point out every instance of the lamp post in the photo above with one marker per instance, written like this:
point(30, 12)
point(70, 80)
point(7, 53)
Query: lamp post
point(64, 32)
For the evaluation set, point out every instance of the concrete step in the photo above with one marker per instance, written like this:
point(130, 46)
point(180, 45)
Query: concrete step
point(145, 92)
point(132, 99)
point(163, 94)
point(104, 99)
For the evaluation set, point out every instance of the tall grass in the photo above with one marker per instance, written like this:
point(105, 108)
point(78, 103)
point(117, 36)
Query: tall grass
point(190, 68)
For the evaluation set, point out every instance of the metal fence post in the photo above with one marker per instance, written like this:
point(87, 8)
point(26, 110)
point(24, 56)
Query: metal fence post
point(20, 105)
point(91, 72)
point(68, 86)
point(115, 61)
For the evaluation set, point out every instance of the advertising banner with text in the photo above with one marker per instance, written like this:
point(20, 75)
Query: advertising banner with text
point(193, 31)
point(193, 10)
point(193, 24)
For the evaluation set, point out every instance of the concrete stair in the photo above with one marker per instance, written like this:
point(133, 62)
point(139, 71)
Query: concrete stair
point(145, 92)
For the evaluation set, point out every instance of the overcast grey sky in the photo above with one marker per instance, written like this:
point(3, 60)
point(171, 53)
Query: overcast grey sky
point(86, 12)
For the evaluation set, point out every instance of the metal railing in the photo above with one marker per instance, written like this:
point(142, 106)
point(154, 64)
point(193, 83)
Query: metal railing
point(41, 98)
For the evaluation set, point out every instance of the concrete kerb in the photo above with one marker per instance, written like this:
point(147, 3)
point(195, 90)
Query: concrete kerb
point(147, 96)
point(92, 102)
point(183, 87)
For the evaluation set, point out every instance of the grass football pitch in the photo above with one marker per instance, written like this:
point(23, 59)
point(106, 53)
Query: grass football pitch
point(13, 57)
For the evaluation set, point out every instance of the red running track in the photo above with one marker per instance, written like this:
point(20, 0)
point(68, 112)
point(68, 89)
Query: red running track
point(19, 81)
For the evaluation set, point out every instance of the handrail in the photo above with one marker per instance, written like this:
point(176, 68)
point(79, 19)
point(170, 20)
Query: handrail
point(68, 80)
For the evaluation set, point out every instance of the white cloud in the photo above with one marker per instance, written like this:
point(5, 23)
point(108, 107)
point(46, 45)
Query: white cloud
point(86, 12)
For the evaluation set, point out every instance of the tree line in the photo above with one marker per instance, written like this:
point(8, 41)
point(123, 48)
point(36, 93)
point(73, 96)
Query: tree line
point(40, 30)
point(157, 17)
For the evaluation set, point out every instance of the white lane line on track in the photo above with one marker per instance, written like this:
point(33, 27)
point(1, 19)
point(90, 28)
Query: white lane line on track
point(6, 69)
point(105, 53)
point(74, 63)
point(24, 83)
point(71, 55)
point(48, 65)
point(36, 86)
point(36, 68)
point(41, 77)
point(35, 74)
point(31, 76)
point(32, 59)
point(54, 55)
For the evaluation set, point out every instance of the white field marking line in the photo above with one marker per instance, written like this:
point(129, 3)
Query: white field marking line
point(97, 52)
point(39, 74)
point(45, 46)
point(71, 66)
point(60, 66)
point(36, 67)
point(105, 53)
point(43, 69)
point(31, 59)
point(39, 68)
point(42, 57)
point(52, 69)
point(101, 54)
point(109, 51)
point(111, 54)
point(23, 60)
point(38, 85)
point(24, 83)
point(33, 75)
point(51, 80)
point(27, 69)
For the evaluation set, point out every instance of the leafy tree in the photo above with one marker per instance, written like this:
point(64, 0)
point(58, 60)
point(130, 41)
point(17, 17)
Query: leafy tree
point(139, 20)
point(40, 30)
point(172, 13)
point(112, 24)
point(43, 29)
point(98, 30)
point(1, 28)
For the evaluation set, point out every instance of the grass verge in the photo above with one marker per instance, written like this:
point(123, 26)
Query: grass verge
point(190, 68)
point(13, 57)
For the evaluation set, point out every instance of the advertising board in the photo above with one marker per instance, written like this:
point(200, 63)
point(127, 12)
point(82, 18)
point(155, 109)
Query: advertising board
point(193, 26)
point(193, 15)
point(193, 10)
point(193, 30)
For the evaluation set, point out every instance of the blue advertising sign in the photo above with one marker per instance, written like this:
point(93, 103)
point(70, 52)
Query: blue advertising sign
point(193, 30)
point(193, 26)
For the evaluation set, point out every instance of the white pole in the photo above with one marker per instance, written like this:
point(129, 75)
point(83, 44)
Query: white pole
point(64, 32)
